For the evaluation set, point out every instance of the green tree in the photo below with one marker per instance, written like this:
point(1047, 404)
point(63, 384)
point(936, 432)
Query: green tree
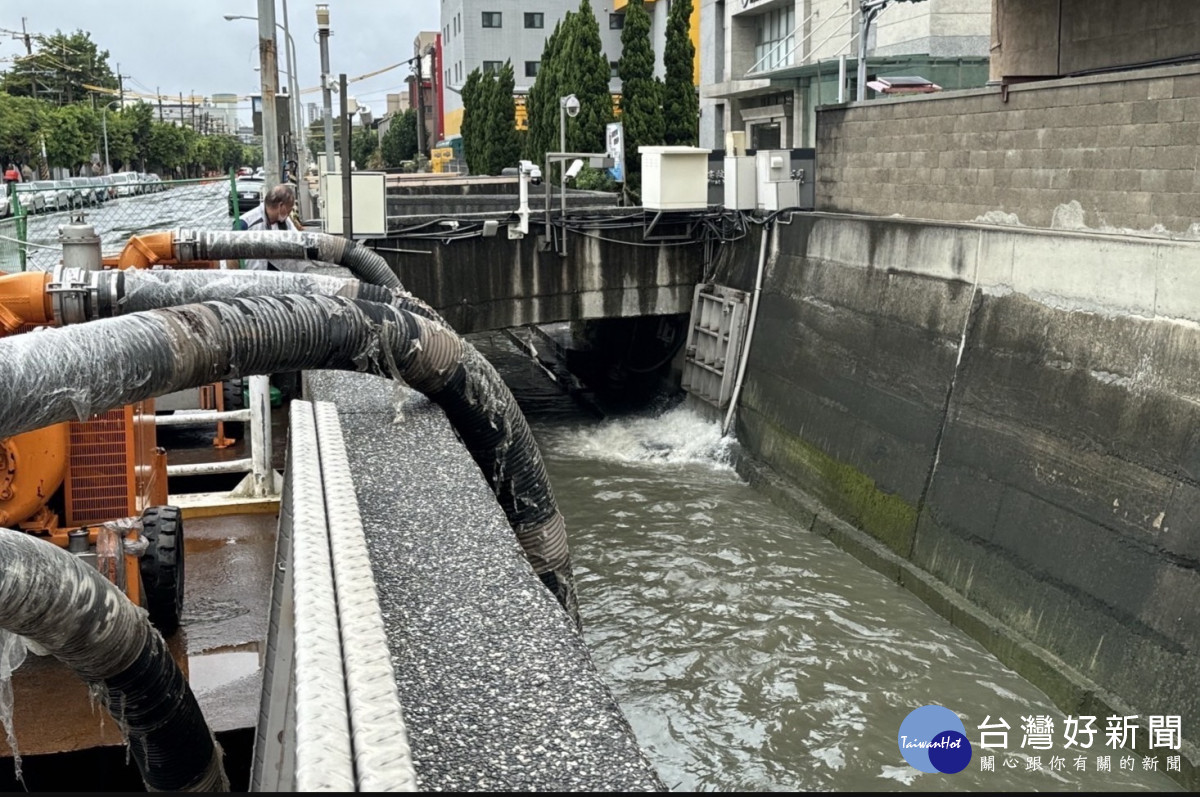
point(681, 105)
point(19, 139)
point(641, 101)
point(399, 143)
point(60, 69)
point(363, 143)
point(121, 149)
point(505, 146)
point(73, 131)
point(474, 125)
point(583, 71)
point(541, 105)
point(140, 118)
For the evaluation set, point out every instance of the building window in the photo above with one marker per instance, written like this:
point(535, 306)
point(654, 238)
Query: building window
point(531, 68)
point(535, 19)
point(616, 21)
point(491, 19)
point(492, 67)
point(776, 39)
point(613, 68)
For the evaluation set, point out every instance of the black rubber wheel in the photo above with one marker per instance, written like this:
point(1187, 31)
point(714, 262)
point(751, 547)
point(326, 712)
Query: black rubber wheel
point(162, 566)
point(233, 393)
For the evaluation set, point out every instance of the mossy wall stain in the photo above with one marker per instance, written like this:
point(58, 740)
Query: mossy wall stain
point(849, 492)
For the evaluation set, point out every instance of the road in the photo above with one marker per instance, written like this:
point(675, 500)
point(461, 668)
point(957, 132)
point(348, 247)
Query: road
point(196, 204)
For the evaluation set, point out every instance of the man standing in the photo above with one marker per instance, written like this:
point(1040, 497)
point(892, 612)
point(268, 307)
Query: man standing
point(275, 213)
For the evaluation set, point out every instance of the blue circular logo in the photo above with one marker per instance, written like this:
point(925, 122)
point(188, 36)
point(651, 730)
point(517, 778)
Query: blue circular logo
point(933, 739)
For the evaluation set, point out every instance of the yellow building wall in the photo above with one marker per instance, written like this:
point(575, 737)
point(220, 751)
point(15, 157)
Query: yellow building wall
point(452, 122)
point(693, 32)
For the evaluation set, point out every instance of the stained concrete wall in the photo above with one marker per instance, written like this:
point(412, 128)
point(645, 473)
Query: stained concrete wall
point(1010, 416)
point(1123, 146)
point(1041, 38)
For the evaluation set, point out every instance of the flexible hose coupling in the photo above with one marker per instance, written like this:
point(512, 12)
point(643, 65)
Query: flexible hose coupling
point(79, 295)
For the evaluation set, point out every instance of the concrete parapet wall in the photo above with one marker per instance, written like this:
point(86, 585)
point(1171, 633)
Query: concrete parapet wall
point(1014, 413)
point(1122, 145)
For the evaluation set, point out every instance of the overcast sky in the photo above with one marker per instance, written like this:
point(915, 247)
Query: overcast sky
point(175, 46)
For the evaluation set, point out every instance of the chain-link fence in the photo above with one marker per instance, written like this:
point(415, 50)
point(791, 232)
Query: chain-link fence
point(117, 207)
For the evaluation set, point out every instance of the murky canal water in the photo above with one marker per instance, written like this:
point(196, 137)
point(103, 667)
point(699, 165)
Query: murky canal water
point(750, 654)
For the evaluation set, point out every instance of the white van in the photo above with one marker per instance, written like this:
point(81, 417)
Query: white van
point(126, 183)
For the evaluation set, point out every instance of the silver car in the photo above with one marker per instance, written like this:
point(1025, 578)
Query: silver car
point(68, 195)
point(55, 200)
point(83, 187)
point(31, 199)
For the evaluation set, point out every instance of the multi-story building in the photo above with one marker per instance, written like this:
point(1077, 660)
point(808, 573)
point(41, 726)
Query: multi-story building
point(765, 65)
point(484, 34)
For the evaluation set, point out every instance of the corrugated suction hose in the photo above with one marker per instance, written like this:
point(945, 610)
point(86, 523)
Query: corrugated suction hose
point(78, 371)
point(55, 599)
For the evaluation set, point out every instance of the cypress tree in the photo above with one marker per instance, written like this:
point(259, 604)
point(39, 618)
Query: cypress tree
point(584, 72)
point(485, 133)
point(541, 105)
point(641, 110)
point(471, 128)
point(681, 105)
point(506, 146)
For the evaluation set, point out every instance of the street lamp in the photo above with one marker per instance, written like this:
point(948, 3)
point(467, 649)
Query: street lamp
point(104, 124)
point(293, 82)
point(567, 106)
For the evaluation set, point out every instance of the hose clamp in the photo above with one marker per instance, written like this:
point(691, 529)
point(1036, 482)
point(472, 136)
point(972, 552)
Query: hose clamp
point(78, 295)
point(187, 245)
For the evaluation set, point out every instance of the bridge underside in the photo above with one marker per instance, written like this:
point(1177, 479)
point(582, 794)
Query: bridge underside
point(478, 283)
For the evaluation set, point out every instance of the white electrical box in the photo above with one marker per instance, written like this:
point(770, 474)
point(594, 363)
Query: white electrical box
point(741, 183)
point(674, 178)
point(369, 209)
point(777, 189)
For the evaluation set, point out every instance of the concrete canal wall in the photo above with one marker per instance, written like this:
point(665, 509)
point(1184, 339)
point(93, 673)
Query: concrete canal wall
point(1010, 415)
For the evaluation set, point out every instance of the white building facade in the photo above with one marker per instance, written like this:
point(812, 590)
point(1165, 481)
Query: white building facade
point(483, 34)
point(766, 65)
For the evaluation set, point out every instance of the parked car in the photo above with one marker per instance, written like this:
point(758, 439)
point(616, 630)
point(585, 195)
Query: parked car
point(126, 183)
point(32, 200)
point(68, 195)
point(99, 188)
point(55, 199)
point(83, 187)
point(249, 194)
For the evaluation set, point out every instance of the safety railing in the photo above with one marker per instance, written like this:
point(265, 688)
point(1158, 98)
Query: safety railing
point(261, 481)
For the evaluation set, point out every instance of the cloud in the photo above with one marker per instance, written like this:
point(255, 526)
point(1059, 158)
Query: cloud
point(174, 47)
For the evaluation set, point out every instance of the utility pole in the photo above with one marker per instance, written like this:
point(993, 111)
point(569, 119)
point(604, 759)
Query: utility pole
point(192, 102)
point(269, 70)
point(326, 97)
point(420, 101)
point(121, 84)
point(158, 93)
point(347, 203)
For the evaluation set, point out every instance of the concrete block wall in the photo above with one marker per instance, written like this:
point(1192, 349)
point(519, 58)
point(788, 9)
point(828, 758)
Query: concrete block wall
point(1008, 418)
point(1121, 145)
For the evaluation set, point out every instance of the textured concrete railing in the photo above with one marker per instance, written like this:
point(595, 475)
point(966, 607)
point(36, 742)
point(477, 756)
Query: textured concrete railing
point(330, 715)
